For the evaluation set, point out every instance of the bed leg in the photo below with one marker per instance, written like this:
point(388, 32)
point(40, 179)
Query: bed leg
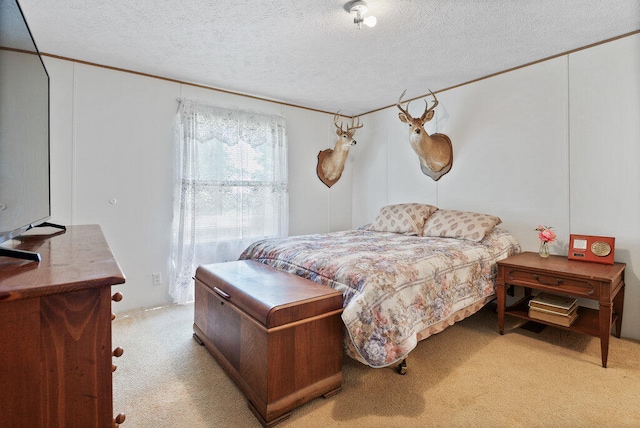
point(402, 367)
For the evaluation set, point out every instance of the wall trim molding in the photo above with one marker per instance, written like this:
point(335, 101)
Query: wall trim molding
point(195, 85)
point(327, 112)
point(515, 68)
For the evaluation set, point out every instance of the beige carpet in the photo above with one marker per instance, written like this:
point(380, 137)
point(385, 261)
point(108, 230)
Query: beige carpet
point(466, 376)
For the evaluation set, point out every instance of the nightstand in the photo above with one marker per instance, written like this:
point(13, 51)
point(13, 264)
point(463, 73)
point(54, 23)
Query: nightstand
point(558, 275)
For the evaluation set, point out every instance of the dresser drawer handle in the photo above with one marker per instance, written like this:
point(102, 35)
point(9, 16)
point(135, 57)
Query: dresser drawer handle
point(537, 278)
point(221, 293)
point(118, 420)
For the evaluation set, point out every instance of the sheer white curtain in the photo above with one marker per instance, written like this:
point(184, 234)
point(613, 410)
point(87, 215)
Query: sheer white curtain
point(230, 187)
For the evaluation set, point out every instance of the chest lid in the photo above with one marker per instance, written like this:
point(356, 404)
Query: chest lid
point(272, 297)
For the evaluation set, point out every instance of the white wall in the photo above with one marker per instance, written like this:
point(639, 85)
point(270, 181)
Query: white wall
point(509, 136)
point(111, 139)
point(604, 106)
point(556, 143)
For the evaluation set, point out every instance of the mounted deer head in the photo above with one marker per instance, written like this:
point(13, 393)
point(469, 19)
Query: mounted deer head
point(434, 151)
point(331, 162)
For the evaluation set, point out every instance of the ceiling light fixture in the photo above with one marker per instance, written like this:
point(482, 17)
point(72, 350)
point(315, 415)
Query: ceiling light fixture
point(359, 7)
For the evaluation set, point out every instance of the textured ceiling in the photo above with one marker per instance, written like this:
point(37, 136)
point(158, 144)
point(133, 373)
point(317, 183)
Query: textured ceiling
point(309, 52)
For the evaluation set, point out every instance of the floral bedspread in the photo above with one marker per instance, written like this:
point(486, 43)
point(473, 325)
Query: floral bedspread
point(394, 286)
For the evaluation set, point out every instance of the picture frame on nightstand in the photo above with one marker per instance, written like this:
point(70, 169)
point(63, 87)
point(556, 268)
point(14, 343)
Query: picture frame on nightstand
point(590, 248)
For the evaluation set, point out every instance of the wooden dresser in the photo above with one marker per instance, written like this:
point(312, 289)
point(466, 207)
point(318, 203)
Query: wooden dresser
point(55, 331)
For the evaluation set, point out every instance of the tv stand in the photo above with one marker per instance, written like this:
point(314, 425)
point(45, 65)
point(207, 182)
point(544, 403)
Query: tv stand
point(20, 254)
point(31, 255)
point(56, 226)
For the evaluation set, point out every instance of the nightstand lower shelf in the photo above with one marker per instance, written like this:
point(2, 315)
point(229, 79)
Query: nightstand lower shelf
point(588, 321)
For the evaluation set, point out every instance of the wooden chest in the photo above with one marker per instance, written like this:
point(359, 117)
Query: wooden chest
point(277, 335)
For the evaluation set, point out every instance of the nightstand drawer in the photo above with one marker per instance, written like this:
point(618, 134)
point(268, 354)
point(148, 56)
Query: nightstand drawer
point(553, 282)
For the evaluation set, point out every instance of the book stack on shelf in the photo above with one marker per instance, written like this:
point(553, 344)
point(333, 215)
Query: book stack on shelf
point(559, 310)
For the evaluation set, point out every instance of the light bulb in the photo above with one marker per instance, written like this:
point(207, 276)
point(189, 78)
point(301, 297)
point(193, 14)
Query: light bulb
point(370, 21)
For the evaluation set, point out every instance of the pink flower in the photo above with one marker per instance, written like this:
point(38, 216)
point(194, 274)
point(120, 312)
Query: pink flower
point(546, 234)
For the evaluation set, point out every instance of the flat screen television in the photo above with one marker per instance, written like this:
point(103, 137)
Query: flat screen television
point(24, 129)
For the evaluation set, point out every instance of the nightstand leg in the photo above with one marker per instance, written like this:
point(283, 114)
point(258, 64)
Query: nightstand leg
point(605, 330)
point(618, 306)
point(502, 302)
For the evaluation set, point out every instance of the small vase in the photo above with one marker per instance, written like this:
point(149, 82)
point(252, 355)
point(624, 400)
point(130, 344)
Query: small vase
point(544, 249)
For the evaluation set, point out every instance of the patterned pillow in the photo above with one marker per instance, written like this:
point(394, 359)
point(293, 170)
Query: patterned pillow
point(460, 224)
point(402, 218)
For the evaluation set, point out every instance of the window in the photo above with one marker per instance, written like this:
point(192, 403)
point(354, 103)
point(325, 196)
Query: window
point(231, 187)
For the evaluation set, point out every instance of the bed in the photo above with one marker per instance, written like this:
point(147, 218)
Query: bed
point(398, 287)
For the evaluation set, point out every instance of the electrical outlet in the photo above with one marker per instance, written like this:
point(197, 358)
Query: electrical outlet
point(157, 278)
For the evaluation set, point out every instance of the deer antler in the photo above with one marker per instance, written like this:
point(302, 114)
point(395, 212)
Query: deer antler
point(426, 106)
point(399, 105)
point(353, 126)
point(335, 122)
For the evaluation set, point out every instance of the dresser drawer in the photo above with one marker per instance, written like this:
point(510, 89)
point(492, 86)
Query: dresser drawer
point(553, 282)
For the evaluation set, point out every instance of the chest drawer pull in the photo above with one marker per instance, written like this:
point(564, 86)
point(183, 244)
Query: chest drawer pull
point(222, 293)
point(559, 281)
